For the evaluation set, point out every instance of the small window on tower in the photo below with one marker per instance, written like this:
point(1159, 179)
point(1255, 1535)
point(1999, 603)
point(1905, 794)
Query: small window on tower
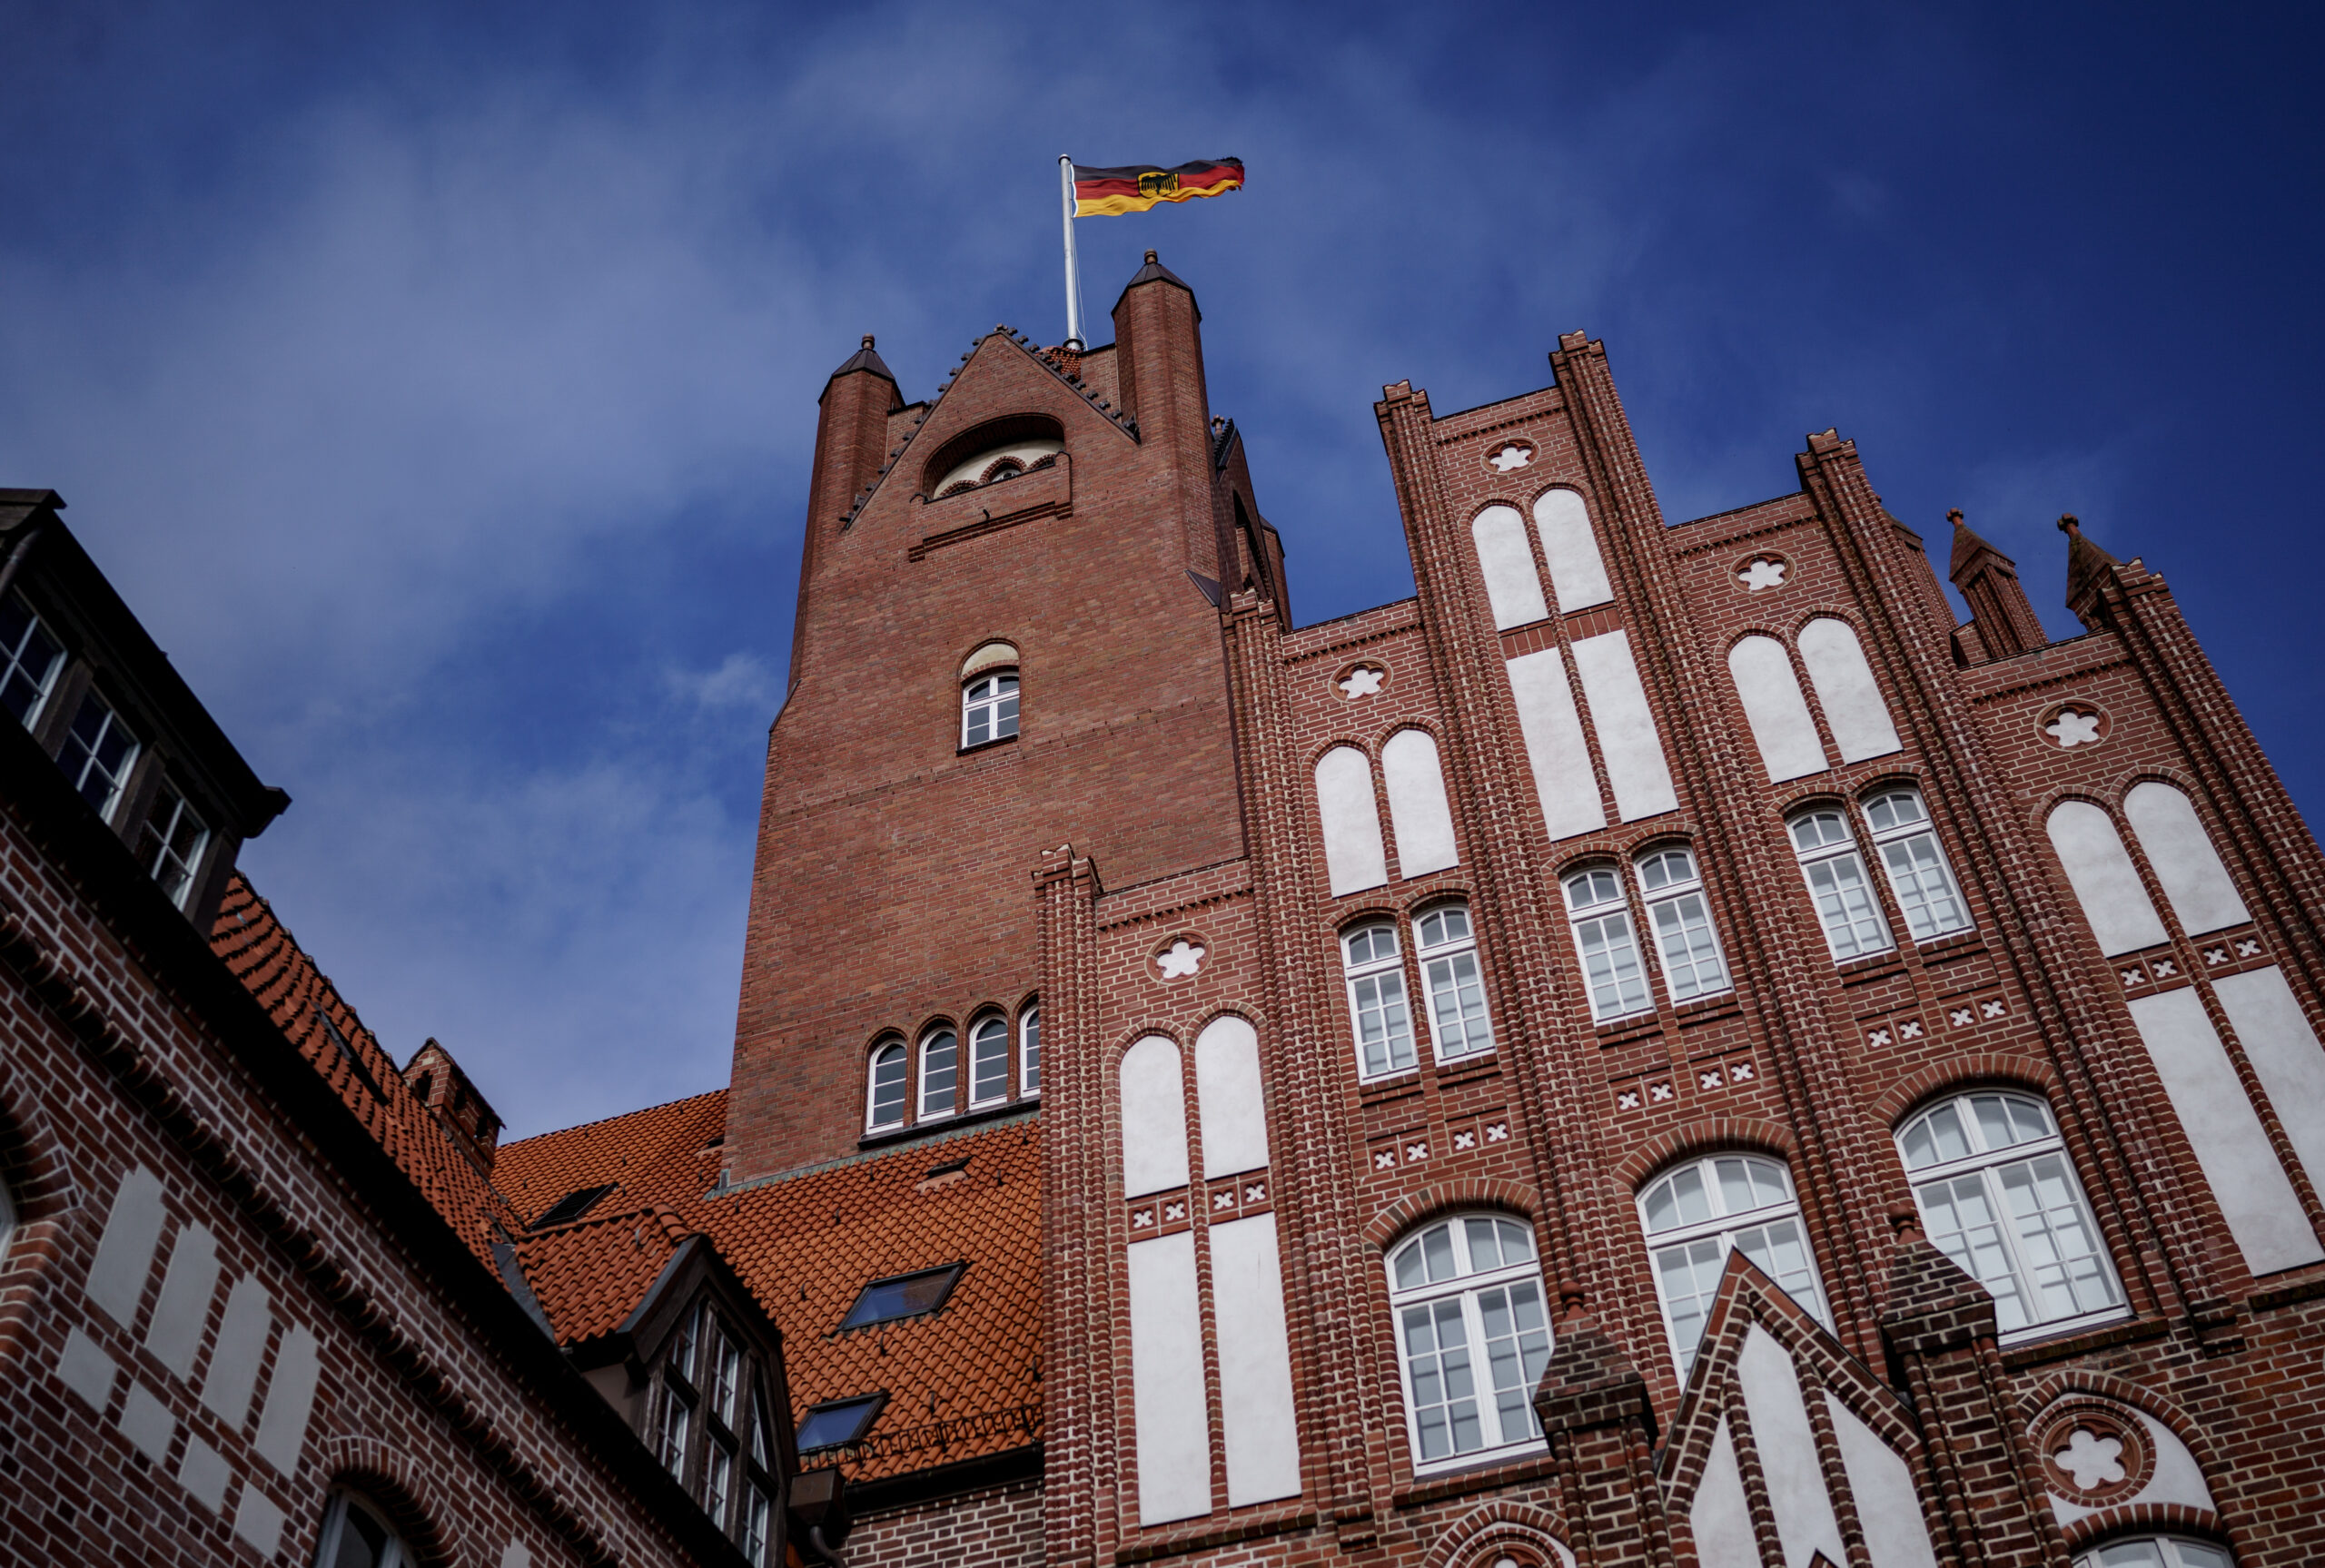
point(989, 708)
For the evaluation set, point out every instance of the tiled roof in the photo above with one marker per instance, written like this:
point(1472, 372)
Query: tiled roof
point(589, 1276)
point(268, 960)
point(962, 1383)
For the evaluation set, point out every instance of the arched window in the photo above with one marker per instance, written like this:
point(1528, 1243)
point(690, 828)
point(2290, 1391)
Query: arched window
point(940, 1073)
point(1681, 920)
point(1473, 1334)
point(884, 1103)
point(1918, 874)
point(1376, 999)
point(1029, 1052)
point(358, 1535)
point(1457, 990)
point(1609, 947)
point(2000, 1199)
point(2154, 1552)
point(1694, 1214)
point(989, 708)
point(1837, 882)
point(989, 1062)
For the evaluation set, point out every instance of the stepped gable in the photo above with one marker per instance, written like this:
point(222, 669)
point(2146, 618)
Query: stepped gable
point(962, 1383)
point(267, 959)
point(589, 1276)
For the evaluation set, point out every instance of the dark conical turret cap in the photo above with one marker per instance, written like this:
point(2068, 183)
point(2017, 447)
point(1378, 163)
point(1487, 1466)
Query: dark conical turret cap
point(865, 359)
point(1154, 272)
point(1967, 547)
point(2086, 562)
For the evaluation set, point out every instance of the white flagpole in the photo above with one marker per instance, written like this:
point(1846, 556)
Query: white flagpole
point(1072, 268)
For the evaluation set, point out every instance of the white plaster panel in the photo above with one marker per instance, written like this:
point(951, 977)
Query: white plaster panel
point(1257, 1425)
point(1229, 1095)
point(202, 1472)
point(1626, 726)
point(1417, 809)
point(86, 1370)
point(1551, 726)
point(188, 1286)
point(1577, 573)
point(2276, 1035)
point(125, 1251)
point(2178, 1478)
point(1719, 1516)
point(516, 1556)
point(258, 1520)
point(1787, 1449)
point(147, 1422)
point(2105, 883)
point(1845, 688)
point(2201, 891)
point(1155, 1117)
point(1897, 1534)
point(1166, 1381)
point(290, 1397)
point(242, 1343)
point(2254, 1194)
point(1782, 726)
point(1354, 857)
point(1513, 588)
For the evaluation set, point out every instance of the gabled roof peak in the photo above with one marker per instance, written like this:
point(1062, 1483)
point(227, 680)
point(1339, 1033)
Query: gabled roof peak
point(1967, 547)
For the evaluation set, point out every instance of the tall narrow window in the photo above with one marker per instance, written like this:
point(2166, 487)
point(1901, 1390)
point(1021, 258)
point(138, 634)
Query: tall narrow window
point(1376, 999)
point(757, 1514)
point(683, 1342)
point(1457, 990)
point(1835, 877)
point(29, 660)
point(2000, 1199)
point(989, 708)
point(1695, 1214)
point(1918, 874)
point(989, 1062)
point(725, 1379)
point(1606, 944)
point(940, 1073)
point(1029, 1052)
point(98, 754)
point(1470, 1324)
point(885, 1098)
point(717, 1483)
point(173, 842)
point(1681, 919)
point(677, 1417)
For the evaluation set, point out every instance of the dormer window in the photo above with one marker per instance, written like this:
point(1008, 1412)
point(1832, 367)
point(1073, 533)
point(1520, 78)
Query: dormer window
point(173, 842)
point(29, 660)
point(98, 754)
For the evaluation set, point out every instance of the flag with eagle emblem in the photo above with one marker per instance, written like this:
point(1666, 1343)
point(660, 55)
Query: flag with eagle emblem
point(1103, 192)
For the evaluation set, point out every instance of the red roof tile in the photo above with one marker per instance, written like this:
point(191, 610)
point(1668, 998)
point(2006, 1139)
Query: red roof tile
point(963, 1382)
point(591, 1275)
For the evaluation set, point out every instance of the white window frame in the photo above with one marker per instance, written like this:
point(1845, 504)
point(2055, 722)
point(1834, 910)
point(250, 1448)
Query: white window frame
point(2002, 1262)
point(990, 698)
point(394, 1552)
point(718, 1481)
point(1605, 943)
point(1373, 975)
point(991, 1030)
point(2171, 1552)
point(923, 1088)
point(678, 1422)
point(1029, 1052)
point(1702, 1245)
point(12, 666)
point(1917, 842)
point(1827, 855)
point(172, 870)
point(725, 1379)
point(882, 1053)
point(117, 777)
point(758, 1515)
point(1678, 910)
point(1441, 974)
point(1468, 1292)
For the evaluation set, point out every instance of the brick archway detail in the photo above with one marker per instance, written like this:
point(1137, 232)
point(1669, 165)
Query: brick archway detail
point(2107, 1385)
point(2161, 1518)
point(1440, 1197)
point(1705, 1137)
point(1472, 1540)
point(1985, 1069)
point(386, 1476)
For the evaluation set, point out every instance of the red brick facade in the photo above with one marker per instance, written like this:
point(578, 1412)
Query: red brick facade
point(1163, 798)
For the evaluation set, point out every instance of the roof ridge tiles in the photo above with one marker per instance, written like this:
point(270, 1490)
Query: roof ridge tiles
point(607, 1121)
point(867, 1156)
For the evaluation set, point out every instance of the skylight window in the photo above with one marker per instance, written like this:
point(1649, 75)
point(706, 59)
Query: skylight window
point(572, 1206)
point(838, 1420)
point(902, 1296)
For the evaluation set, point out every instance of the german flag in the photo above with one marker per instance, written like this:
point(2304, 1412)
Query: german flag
point(1103, 192)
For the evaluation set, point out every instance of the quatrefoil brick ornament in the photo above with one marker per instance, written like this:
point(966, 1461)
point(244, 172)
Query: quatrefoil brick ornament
point(2068, 725)
point(1361, 681)
point(1510, 457)
point(1764, 572)
point(1180, 959)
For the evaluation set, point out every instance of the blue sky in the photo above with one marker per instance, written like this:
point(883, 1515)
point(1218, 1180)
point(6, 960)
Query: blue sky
point(437, 381)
